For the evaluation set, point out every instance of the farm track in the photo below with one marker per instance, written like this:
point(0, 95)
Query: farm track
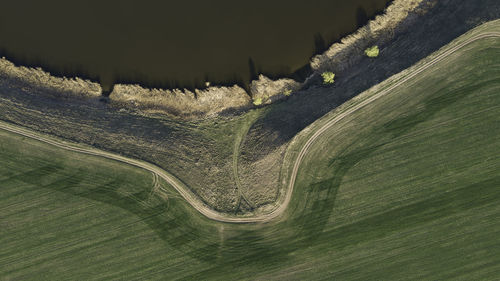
point(203, 208)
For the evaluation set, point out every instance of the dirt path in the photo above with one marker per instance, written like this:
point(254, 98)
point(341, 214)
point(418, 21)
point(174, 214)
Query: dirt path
point(236, 153)
point(192, 199)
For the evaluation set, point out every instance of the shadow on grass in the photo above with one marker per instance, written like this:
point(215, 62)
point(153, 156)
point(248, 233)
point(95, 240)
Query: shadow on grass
point(440, 206)
point(433, 105)
point(262, 246)
point(275, 244)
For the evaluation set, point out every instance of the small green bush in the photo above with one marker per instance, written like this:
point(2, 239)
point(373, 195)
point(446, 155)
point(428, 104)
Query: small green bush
point(328, 77)
point(372, 52)
point(287, 93)
point(257, 101)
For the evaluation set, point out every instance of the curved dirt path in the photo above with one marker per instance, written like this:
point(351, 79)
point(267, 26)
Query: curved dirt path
point(203, 208)
point(365, 102)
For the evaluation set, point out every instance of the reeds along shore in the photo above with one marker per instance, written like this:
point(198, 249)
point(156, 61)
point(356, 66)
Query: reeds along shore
point(183, 103)
point(398, 14)
point(214, 100)
point(38, 78)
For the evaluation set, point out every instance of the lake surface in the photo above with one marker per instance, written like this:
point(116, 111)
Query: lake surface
point(175, 43)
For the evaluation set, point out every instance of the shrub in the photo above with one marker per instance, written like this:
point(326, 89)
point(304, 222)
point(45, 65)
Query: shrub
point(372, 52)
point(287, 93)
point(328, 77)
point(257, 101)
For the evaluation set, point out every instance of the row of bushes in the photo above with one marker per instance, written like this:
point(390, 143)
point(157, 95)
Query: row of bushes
point(329, 77)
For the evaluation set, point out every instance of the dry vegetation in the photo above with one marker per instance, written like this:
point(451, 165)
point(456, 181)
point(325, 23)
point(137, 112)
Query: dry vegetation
point(200, 151)
point(183, 103)
point(269, 91)
point(380, 30)
point(37, 78)
point(260, 177)
point(410, 179)
point(215, 100)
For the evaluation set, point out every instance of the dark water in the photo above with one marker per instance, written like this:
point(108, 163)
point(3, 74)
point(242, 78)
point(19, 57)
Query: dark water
point(175, 43)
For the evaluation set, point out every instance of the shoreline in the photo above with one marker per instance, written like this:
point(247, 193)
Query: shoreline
point(305, 139)
point(398, 15)
point(214, 100)
point(200, 142)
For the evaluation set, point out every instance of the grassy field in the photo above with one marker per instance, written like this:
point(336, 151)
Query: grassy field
point(408, 188)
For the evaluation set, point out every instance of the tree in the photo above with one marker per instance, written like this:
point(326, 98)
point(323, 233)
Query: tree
point(328, 77)
point(257, 101)
point(372, 52)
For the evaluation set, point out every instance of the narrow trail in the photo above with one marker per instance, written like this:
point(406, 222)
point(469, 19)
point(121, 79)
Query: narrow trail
point(155, 186)
point(197, 203)
point(236, 153)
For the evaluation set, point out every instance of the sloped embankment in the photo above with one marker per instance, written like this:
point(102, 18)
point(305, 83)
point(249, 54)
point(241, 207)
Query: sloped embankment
point(38, 78)
point(182, 103)
point(214, 100)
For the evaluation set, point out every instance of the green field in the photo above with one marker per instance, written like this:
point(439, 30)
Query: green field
point(407, 188)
